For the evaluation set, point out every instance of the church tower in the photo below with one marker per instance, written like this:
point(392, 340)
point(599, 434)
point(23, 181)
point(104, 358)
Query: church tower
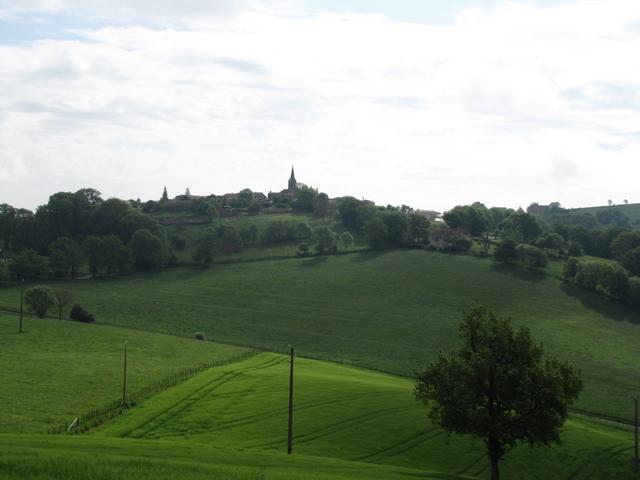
point(293, 184)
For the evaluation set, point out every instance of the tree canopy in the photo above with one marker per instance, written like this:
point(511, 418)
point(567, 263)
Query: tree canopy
point(499, 386)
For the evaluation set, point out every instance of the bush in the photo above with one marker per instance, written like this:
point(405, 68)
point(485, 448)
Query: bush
point(199, 336)
point(79, 314)
point(460, 243)
point(506, 251)
point(570, 268)
point(530, 256)
point(633, 291)
point(39, 299)
point(604, 277)
point(303, 249)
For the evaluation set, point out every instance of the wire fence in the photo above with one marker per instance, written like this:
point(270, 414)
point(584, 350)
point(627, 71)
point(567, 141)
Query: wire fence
point(99, 415)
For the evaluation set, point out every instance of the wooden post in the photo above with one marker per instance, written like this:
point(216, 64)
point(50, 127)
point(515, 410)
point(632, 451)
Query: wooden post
point(21, 304)
point(124, 383)
point(290, 430)
point(635, 438)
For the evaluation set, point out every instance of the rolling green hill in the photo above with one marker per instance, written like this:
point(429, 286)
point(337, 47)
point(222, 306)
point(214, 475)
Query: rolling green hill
point(231, 421)
point(58, 370)
point(631, 210)
point(390, 311)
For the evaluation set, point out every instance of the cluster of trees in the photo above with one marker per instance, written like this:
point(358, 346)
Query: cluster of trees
point(40, 299)
point(618, 279)
point(384, 227)
point(603, 217)
point(72, 229)
point(211, 241)
point(309, 200)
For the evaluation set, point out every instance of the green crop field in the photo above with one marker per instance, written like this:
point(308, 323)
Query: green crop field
point(353, 415)
point(57, 370)
point(38, 457)
point(389, 311)
point(231, 421)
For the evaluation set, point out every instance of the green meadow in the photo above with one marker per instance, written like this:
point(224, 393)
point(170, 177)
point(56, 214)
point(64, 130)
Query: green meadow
point(230, 422)
point(631, 210)
point(389, 311)
point(57, 370)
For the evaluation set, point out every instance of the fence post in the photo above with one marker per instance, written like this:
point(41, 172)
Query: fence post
point(124, 383)
point(290, 426)
point(635, 437)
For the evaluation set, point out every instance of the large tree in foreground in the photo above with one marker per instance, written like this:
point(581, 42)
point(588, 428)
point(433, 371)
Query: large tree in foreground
point(498, 386)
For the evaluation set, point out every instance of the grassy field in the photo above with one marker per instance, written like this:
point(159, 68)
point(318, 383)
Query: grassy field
point(351, 414)
point(631, 210)
point(388, 311)
point(230, 422)
point(58, 370)
point(39, 457)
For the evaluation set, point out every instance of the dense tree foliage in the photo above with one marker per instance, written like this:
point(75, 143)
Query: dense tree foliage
point(28, 265)
point(325, 239)
point(147, 249)
point(499, 386)
point(206, 247)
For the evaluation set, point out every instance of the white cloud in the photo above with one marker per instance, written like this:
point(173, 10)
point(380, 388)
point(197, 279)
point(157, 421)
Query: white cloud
point(508, 106)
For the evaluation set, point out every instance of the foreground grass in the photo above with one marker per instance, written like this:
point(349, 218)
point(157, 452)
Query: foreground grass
point(37, 457)
point(389, 311)
point(58, 370)
point(354, 415)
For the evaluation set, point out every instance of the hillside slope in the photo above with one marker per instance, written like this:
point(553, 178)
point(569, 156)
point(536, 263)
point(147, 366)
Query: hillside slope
point(354, 415)
point(390, 311)
point(57, 370)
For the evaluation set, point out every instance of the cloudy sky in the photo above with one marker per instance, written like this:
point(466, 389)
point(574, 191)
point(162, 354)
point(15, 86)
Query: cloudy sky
point(430, 103)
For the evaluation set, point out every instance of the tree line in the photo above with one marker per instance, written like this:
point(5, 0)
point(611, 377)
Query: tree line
point(74, 229)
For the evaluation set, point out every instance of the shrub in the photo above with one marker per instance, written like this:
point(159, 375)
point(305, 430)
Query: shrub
point(570, 268)
point(79, 314)
point(39, 299)
point(530, 256)
point(506, 251)
point(303, 249)
point(199, 336)
point(604, 277)
point(460, 243)
point(633, 291)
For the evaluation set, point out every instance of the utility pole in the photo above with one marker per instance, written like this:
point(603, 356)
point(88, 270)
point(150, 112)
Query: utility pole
point(21, 304)
point(124, 383)
point(635, 438)
point(290, 430)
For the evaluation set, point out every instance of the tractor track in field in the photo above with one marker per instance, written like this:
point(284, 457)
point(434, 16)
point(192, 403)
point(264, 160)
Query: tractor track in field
point(200, 392)
point(400, 447)
point(604, 454)
point(247, 420)
point(179, 407)
point(471, 465)
point(345, 424)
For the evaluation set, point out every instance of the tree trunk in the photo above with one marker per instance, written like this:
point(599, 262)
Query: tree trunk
point(495, 468)
point(494, 457)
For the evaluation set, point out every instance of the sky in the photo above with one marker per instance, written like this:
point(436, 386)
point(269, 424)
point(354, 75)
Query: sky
point(428, 103)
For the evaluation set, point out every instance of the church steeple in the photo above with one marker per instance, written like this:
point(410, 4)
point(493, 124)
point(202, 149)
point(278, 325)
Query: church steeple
point(293, 184)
